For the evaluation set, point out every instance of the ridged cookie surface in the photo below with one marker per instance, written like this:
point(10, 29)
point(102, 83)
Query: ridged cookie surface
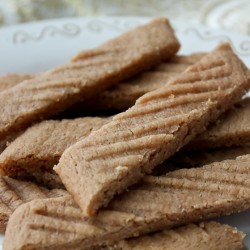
point(180, 197)
point(11, 80)
point(159, 124)
point(57, 89)
point(14, 193)
point(124, 95)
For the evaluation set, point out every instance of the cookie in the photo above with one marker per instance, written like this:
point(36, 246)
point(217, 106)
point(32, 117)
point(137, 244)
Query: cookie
point(159, 124)
point(41, 146)
point(156, 203)
point(11, 80)
point(14, 193)
point(232, 129)
point(61, 87)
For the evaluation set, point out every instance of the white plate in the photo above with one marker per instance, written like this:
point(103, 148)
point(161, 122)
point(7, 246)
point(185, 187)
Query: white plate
point(35, 47)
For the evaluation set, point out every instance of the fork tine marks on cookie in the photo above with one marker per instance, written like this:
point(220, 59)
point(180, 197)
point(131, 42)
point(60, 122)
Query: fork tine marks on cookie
point(157, 203)
point(14, 193)
point(88, 166)
point(124, 95)
point(205, 236)
point(37, 147)
point(59, 88)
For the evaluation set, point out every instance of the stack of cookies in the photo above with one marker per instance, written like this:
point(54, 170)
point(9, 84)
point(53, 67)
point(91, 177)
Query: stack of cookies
point(127, 146)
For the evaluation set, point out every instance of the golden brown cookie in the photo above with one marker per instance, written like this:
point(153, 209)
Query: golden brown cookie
point(14, 193)
point(98, 69)
point(177, 198)
point(159, 124)
point(40, 147)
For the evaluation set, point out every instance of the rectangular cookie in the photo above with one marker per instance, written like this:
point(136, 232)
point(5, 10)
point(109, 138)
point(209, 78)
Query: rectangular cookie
point(159, 124)
point(41, 146)
point(156, 203)
point(202, 236)
point(94, 71)
point(14, 193)
point(233, 128)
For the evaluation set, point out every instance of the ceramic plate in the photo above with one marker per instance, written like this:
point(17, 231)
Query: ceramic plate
point(35, 47)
